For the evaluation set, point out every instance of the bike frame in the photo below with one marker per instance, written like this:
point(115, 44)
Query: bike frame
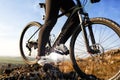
point(77, 9)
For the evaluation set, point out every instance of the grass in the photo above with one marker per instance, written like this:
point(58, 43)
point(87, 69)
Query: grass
point(102, 68)
point(11, 60)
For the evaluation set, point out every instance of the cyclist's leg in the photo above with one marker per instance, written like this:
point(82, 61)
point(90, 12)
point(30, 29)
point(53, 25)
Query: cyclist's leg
point(52, 10)
point(64, 7)
point(72, 25)
point(62, 40)
point(73, 22)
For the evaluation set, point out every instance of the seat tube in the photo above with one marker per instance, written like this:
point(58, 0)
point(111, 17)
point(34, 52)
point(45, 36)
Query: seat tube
point(84, 32)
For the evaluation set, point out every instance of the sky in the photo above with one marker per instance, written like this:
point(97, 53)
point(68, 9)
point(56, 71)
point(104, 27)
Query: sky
point(15, 14)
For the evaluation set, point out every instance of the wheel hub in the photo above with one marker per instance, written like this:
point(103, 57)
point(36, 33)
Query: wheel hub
point(96, 49)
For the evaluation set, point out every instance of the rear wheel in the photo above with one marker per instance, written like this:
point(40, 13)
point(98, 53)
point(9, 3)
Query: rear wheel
point(29, 42)
point(105, 62)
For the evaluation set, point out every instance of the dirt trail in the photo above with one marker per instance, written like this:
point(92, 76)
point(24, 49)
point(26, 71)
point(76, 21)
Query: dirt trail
point(63, 70)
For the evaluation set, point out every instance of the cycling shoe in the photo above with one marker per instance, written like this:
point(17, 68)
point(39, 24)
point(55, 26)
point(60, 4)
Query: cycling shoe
point(61, 49)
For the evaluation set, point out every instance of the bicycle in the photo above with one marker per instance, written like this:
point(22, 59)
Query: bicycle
point(98, 39)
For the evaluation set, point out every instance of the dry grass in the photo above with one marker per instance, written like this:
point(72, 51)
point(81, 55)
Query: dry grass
point(66, 67)
point(102, 67)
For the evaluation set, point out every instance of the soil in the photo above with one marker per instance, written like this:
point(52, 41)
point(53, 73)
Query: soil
point(101, 67)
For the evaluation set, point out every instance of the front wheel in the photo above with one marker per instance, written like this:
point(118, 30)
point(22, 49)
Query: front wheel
point(29, 42)
point(105, 63)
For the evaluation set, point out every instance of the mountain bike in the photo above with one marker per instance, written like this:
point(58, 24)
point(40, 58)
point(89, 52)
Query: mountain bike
point(94, 45)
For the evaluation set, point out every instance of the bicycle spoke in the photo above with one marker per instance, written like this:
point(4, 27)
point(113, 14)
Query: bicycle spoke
point(80, 43)
point(102, 37)
point(80, 49)
point(109, 48)
point(101, 34)
point(109, 37)
point(112, 43)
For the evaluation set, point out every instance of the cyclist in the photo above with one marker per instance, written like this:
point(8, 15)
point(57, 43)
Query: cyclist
point(52, 10)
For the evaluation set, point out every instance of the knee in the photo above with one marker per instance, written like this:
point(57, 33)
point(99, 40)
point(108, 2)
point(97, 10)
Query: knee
point(51, 21)
point(49, 24)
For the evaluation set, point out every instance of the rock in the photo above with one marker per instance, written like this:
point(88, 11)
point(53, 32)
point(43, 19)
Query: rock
point(7, 71)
